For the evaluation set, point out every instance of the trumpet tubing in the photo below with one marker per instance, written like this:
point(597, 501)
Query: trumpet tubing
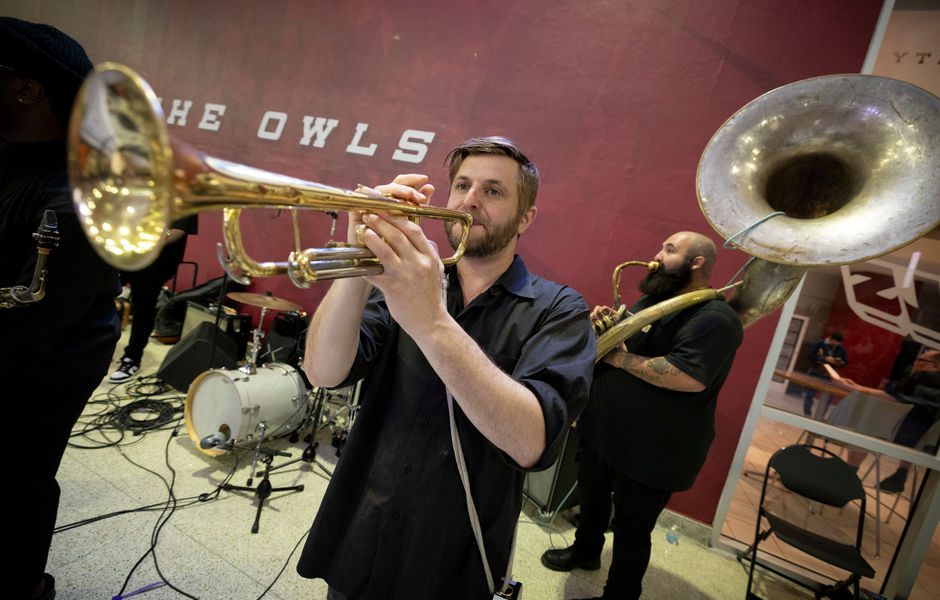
point(130, 181)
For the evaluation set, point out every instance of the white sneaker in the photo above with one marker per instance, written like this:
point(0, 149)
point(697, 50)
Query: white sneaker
point(125, 372)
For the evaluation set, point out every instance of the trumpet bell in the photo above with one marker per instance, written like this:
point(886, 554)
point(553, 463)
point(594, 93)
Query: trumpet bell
point(120, 166)
point(130, 182)
point(853, 162)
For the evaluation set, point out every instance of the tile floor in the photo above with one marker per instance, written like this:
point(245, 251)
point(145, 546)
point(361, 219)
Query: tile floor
point(145, 512)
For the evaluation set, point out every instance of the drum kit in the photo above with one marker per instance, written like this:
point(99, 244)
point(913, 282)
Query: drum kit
point(229, 409)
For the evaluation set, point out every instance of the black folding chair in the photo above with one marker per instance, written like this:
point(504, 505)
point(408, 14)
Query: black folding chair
point(821, 476)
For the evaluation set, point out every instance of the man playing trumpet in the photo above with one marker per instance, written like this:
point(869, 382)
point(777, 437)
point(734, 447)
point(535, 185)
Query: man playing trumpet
point(650, 419)
point(515, 351)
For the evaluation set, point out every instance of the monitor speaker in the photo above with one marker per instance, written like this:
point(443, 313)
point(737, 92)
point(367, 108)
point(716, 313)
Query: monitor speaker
point(205, 347)
point(549, 489)
point(236, 325)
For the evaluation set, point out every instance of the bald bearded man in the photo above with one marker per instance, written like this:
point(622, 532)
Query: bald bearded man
point(650, 420)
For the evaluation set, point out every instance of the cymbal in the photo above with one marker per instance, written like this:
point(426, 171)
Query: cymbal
point(264, 301)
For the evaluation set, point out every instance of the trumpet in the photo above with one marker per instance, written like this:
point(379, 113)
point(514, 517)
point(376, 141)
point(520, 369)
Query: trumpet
point(130, 181)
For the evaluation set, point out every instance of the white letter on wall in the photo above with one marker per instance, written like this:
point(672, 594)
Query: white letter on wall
point(319, 129)
point(279, 118)
point(210, 116)
point(179, 112)
point(416, 151)
point(355, 148)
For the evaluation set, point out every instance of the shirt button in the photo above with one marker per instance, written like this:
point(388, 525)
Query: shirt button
point(396, 515)
point(424, 422)
point(407, 469)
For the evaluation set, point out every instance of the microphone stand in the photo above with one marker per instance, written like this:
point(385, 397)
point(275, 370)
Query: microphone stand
point(264, 489)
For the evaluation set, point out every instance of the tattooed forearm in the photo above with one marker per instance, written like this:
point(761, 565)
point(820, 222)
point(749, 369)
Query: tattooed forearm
point(661, 366)
point(659, 372)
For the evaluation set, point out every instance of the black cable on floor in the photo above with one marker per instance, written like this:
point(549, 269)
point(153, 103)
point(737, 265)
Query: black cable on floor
point(113, 417)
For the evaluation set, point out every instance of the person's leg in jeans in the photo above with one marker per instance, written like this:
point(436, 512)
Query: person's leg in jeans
point(808, 401)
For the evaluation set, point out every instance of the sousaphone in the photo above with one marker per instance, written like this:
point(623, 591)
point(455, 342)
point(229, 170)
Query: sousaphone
point(825, 171)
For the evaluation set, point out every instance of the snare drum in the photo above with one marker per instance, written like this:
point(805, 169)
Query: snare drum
point(234, 403)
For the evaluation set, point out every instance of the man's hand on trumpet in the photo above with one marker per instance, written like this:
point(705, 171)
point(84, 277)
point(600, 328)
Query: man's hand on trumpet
point(412, 268)
point(410, 187)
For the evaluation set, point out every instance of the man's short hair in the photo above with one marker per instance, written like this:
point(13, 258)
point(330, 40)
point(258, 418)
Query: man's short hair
point(42, 52)
point(528, 187)
point(837, 336)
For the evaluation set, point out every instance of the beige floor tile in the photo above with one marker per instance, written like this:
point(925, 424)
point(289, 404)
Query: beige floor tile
point(206, 549)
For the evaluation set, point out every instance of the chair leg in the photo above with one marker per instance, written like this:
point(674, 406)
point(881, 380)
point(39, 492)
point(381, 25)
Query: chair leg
point(750, 572)
point(758, 538)
point(877, 506)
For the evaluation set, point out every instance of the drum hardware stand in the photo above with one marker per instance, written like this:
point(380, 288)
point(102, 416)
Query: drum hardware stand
point(264, 302)
point(340, 427)
point(260, 428)
point(310, 452)
point(264, 488)
point(256, 336)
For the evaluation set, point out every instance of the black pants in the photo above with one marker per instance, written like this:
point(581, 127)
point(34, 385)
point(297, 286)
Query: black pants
point(334, 594)
point(145, 289)
point(636, 508)
point(48, 400)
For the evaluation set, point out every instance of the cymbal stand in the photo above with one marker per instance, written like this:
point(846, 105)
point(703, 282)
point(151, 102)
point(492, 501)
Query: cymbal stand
point(264, 489)
point(256, 336)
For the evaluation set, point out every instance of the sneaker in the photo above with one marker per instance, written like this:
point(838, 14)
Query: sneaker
point(126, 371)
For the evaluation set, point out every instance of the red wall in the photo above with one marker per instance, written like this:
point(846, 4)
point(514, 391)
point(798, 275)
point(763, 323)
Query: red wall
point(613, 100)
point(872, 349)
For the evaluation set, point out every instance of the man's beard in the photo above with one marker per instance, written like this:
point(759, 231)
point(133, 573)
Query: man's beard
point(662, 284)
point(493, 240)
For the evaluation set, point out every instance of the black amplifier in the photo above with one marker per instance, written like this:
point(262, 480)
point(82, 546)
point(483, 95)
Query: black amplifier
point(236, 325)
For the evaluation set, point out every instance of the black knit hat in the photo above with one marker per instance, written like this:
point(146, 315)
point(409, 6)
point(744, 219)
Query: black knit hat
point(44, 53)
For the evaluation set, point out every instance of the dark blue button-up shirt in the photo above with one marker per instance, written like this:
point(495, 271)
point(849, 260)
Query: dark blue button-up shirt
point(393, 522)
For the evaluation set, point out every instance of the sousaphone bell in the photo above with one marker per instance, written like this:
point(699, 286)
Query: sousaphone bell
point(825, 171)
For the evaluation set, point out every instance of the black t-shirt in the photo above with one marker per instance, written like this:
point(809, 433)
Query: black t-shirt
point(653, 435)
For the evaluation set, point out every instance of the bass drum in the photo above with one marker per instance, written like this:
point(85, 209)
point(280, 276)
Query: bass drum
point(234, 403)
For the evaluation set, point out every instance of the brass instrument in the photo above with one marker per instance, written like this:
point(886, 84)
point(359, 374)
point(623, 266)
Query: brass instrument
point(130, 181)
point(852, 163)
point(47, 238)
point(605, 322)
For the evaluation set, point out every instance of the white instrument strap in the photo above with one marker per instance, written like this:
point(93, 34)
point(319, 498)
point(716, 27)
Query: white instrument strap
point(471, 509)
